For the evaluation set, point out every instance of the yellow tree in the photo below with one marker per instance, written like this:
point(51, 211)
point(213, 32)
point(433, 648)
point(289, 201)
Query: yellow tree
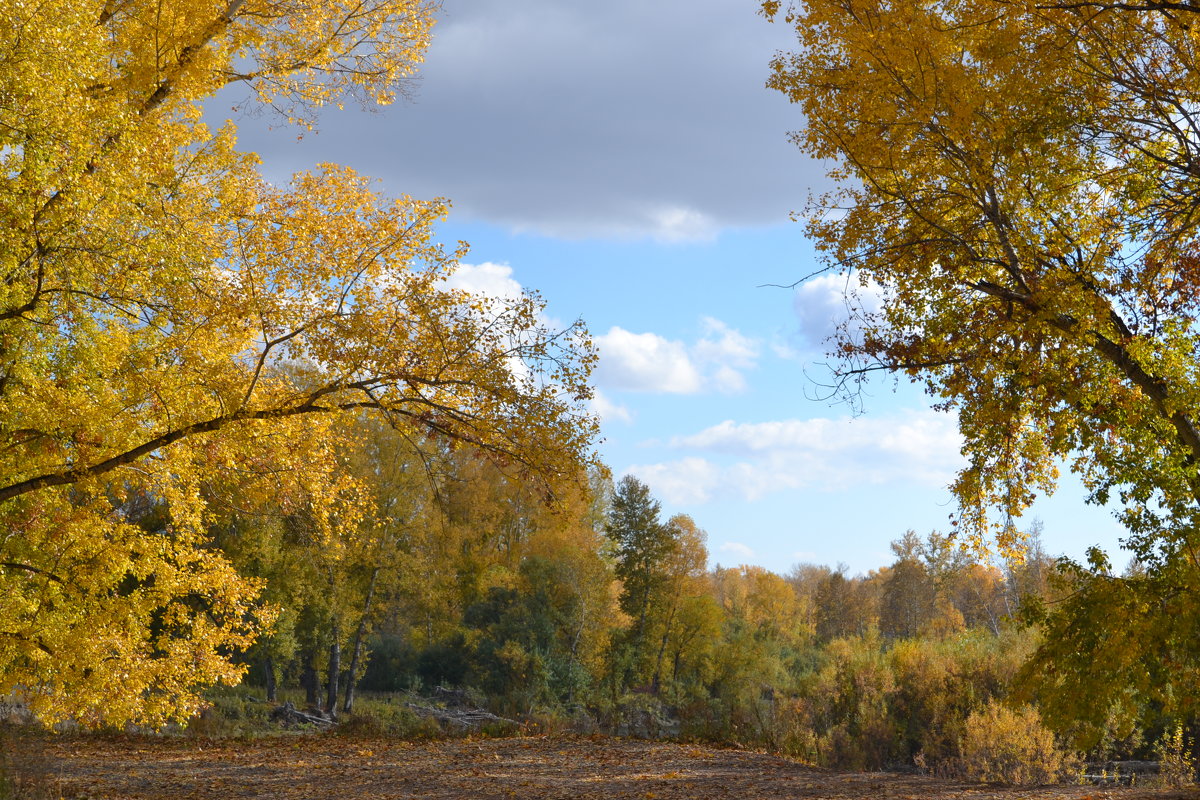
point(686, 615)
point(1013, 179)
point(153, 287)
point(1018, 182)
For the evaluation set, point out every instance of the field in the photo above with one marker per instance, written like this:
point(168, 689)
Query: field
point(318, 767)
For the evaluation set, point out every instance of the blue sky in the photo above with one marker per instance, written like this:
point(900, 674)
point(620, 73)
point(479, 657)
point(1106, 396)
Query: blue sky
point(624, 160)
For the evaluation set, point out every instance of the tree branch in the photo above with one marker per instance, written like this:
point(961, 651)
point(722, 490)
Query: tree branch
point(1118, 355)
point(35, 570)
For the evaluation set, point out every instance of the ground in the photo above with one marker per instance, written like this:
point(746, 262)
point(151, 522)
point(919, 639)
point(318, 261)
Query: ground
point(319, 767)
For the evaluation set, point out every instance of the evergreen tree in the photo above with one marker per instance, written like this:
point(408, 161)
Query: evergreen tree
point(643, 544)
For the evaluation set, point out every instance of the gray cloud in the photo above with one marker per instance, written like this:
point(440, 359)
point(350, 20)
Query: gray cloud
point(622, 118)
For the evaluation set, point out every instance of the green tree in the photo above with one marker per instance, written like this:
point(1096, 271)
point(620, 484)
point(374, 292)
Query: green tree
point(642, 545)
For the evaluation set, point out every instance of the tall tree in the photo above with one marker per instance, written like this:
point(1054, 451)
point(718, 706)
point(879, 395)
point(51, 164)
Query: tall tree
point(1017, 182)
point(684, 592)
point(642, 544)
point(153, 284)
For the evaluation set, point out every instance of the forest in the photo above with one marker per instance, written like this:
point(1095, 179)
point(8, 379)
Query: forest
point(257, 448)
point(601, 616)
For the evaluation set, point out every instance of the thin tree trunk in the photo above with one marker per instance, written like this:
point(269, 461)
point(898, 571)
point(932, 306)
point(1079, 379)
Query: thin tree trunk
point(310, 682)
point(335, 668)
point(356, 653)
point(269, 669)
point(656, 684)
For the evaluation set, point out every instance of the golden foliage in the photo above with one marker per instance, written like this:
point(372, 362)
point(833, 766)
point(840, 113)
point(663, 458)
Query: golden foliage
point(169, 321)
point(1016, 181)
point(1009, 746)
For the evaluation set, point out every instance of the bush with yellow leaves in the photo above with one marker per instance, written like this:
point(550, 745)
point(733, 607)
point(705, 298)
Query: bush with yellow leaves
point(1012, 746)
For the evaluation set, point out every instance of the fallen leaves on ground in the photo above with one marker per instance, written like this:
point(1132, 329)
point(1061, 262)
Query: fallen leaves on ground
point(320, 767)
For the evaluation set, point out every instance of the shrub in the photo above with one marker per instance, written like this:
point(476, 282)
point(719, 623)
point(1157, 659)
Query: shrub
point(375, 717)
point(231, 711)
point(1009, 746)
point(1176, 765)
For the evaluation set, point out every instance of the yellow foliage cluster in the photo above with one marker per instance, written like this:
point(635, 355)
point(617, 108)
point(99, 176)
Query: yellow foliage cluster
point(1016, 184)
point(1009, 746)
point(170, 323)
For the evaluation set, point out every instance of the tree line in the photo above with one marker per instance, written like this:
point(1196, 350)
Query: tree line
point(588, 607)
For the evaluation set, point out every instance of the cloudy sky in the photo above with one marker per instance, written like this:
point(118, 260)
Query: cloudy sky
point(624, 159)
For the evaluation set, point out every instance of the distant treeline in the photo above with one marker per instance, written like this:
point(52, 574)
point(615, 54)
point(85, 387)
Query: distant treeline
point(582, 604)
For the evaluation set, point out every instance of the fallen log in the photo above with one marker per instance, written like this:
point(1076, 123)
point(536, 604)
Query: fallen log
point(461, 717)
point(288, 715)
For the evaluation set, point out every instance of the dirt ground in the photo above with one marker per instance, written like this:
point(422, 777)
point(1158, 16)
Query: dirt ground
point(319, 767)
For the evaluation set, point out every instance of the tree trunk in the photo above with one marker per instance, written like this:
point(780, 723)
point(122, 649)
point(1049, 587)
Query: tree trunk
point(335, 668)
point(310, 682)
point(269, 670)
point(356, 653)
point(656, 683)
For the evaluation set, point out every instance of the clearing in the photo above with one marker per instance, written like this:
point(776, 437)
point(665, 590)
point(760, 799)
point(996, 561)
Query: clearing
point(318, 767)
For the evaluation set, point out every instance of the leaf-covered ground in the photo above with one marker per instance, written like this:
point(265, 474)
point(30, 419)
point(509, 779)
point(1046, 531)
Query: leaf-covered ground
point(320, 767)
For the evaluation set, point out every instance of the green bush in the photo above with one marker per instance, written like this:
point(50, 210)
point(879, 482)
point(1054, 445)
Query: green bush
point(231, 711)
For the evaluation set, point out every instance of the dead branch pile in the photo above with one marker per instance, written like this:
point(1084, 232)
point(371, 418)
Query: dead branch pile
point(462, 718)
point(288, 716)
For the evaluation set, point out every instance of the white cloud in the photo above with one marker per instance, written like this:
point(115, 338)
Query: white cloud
point(607, 409)
point(738, 549)
point(752, 460)
point(827, 301)
point(678, 224)
point(728, 380)
point(492, 280)
point(647, 362)
point(687, 481)
point(495, 281)
point(723, 344)
point(496, 284)
point(784, 349)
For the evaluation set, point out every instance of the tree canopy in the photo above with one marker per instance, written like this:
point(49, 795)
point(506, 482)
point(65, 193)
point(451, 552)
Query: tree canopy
point(1015, 180)
point(1018, 182)
point(171, 323)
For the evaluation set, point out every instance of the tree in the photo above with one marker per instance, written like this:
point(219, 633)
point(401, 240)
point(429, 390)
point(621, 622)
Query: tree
point(1018, 184)
point(154, 290)
point(908, 599)
point(845, 606)
point(1014, 181)
point(683, 597)
point(642, 544)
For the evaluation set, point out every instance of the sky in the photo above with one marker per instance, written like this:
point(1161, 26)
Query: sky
point(625, 160)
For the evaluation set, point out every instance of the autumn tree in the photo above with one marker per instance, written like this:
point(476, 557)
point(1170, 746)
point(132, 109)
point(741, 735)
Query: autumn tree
point(908, 599)
point(154, 289)
point(685, 611)
point(845, 606)
point(1017, 183)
